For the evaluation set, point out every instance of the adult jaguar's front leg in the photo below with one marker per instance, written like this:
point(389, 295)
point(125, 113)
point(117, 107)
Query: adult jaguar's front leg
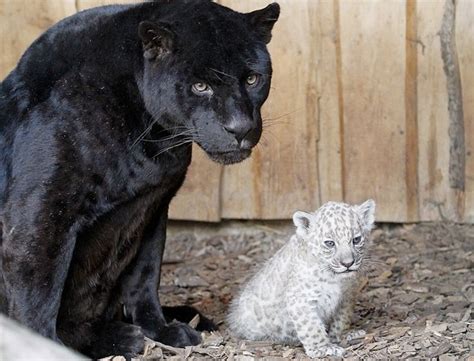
point(140, 289)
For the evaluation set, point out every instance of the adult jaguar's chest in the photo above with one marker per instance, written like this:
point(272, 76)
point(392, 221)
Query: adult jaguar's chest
point(105, 248)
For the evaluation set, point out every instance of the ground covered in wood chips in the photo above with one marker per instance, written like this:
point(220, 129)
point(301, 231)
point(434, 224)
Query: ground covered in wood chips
point(417, 302)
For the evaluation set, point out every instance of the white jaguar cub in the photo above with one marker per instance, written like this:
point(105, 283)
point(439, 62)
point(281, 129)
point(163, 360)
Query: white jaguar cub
point(303, 294)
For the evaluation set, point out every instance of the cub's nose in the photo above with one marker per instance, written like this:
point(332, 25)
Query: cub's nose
point(239, 130)
point(347, 263)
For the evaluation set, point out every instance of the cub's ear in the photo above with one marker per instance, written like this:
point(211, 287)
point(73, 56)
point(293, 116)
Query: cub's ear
point(366, 212)
point(158, 39)
point(264, 19)
point(302, 221)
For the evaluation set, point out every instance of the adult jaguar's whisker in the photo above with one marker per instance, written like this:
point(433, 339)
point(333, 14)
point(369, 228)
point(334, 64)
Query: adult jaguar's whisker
point(143, 134)
point(173, 146)
point(281, 116)
point(188, 132)
point(150, 126)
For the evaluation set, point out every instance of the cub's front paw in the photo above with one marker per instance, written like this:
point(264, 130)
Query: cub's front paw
point(179, 334)
point(326, 350)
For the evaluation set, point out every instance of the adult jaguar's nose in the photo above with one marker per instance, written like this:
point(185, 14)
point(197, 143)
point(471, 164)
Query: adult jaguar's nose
point(239, 130)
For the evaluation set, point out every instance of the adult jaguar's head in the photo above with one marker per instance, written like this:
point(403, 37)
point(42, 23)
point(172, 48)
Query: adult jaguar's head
point(337, 234)
point(207, 73)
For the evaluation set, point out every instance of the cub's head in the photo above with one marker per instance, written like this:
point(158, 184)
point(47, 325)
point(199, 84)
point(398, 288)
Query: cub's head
point(337, 234)
point(207, 73)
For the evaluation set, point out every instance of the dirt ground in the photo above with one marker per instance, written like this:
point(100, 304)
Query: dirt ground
point(417, 301)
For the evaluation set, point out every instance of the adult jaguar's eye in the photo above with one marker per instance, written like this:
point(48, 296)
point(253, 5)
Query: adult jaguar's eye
point(357, 240)
point(252, 79)
point(329, 244)
point(201, 88)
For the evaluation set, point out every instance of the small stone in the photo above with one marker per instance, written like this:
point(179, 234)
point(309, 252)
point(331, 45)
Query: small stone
point(459, 327)
point(288, 353)
point(426, 343)
point(417, 288)
point(408, 298)
point(379, 346)
point(454, 315)
point(369, 338)
point(409, 348)
point(467, 315)
point(470, 336)
point(187, 277)
point(442, 327)
point(440, 350)
point(446, 357)
point(212, 339)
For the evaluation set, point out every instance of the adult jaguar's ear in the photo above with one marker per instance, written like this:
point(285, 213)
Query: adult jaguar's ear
point(366, 212)
point(264, 19)
point(158, 39)
point(302, 221)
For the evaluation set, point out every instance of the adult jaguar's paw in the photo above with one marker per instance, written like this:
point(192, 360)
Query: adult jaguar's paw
point(179, 334)
point(119, 338)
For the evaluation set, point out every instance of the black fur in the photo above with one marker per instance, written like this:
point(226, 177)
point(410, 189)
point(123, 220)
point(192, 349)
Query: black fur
point(95, 129)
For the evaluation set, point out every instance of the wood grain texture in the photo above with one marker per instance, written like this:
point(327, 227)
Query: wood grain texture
point(373, 68)
point(324, 19)
point(359, 108)
point(22, 21)
point(199, 197)
point(465, 50)
point(411, 112)
point(436, 198)
point(282, 174)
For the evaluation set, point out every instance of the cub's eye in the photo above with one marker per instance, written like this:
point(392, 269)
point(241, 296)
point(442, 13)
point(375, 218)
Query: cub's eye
point(356, 240)
point(252, 79)
point(329, 244)
point(200, 88)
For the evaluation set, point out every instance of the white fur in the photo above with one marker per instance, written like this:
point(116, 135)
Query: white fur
point(301, 295)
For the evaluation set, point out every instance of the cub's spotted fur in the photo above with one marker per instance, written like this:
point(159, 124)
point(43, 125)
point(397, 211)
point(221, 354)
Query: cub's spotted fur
point(303, 294)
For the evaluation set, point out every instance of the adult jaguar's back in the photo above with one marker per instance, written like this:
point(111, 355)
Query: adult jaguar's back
point(95, 132)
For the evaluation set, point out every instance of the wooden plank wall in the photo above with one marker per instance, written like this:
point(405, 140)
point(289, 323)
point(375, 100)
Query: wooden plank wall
point(362, 105)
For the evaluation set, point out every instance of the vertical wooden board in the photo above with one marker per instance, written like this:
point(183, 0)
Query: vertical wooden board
point(199, 197)
point(373, 68)
point(22, 21)
point(465, 46)
point(327, 59)
point(411, 111)
point(436, 198)
point(282, 174)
